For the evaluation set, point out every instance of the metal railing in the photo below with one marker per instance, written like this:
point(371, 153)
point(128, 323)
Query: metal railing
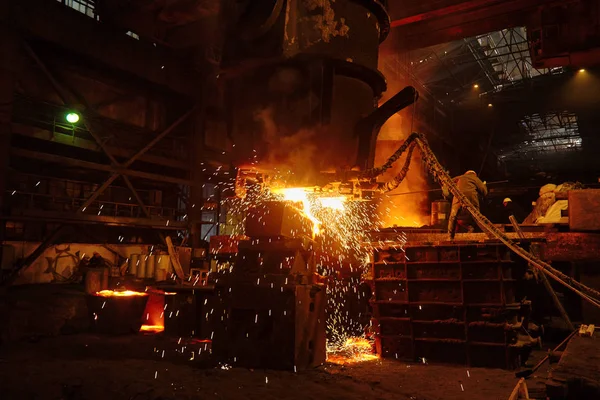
point(48, 202)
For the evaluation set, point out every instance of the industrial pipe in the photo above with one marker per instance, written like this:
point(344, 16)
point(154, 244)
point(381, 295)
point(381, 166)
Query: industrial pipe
point(367, 129)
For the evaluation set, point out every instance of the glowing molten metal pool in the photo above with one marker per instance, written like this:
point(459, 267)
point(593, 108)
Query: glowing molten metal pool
point(120, 293)
point(152, 328)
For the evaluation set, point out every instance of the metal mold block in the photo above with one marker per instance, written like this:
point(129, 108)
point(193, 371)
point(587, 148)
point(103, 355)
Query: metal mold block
point(584, 210)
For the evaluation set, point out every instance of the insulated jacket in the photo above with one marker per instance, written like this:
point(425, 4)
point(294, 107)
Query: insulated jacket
point(471, 186)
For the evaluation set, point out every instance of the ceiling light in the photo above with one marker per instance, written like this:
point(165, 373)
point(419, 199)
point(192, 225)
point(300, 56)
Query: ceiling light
point(582, 70)
point(476, 86)
point(489, 104)
point(72, 117)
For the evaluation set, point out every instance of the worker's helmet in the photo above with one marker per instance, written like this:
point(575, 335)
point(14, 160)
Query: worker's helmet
point(470, 172)
point(506, 200)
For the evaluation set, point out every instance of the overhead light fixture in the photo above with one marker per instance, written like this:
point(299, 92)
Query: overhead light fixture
point(476, 86)
point(489, 104)
point(72, 117)
point(582, 70)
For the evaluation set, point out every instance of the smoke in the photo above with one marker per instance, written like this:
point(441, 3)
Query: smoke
point(292, 153)
point(403, 210)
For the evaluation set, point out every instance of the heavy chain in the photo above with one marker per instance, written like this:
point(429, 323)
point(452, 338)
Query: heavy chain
point(394, 183)
point(376, 171)
point(442, 176)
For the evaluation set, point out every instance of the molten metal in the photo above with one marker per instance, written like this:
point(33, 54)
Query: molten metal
point(300, 195)
point(152, 328)
point(121, 293)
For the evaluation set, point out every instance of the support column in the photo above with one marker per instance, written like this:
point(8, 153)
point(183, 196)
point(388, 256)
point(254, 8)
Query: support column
point(196, 199)
point(8, 59)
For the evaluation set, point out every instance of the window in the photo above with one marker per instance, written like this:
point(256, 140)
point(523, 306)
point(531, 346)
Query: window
point(133, 35)
point(14, 229)
point(83, 6)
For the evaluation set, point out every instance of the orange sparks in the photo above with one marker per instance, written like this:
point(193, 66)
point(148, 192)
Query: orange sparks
point(354, 350)
point(300, 195)
point(334, 203)
point(121, 293)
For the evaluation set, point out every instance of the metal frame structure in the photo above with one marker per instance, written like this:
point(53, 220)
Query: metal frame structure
point(556, 132)
point(116, 168)
point(494, 61)
point(508, 53)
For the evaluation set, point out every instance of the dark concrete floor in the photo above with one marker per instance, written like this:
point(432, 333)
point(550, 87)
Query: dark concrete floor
point(91, 367)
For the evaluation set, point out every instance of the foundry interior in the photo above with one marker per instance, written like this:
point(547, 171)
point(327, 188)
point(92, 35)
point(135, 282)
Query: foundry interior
point(299, 199)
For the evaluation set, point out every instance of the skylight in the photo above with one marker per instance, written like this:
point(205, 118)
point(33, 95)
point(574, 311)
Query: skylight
point(547, 133)
point(508, 53)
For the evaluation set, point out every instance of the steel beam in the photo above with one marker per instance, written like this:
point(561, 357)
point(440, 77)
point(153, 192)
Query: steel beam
point(117, 168)
point(161, 135)
point(138, 199)
point(53, 158)
point(67, 99)
point(60, 90)
point(70, 217)
point(82, 143)
point(98, 192)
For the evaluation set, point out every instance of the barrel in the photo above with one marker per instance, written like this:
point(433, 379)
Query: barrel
point(141, 266)
point(133, 264)
point(440, 212)
point(150, 266)
point(163, 265)
point(93, 280)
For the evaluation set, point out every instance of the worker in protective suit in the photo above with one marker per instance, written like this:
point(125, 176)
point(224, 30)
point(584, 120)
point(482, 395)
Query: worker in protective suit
point(472, 187)
point(511, 208)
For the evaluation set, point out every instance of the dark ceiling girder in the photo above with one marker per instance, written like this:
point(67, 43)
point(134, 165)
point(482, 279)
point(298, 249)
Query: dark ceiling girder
point(441, 12)
point(449, 24)
point(71, 30)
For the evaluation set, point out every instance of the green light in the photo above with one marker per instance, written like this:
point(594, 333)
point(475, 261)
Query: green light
point(72, 117)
